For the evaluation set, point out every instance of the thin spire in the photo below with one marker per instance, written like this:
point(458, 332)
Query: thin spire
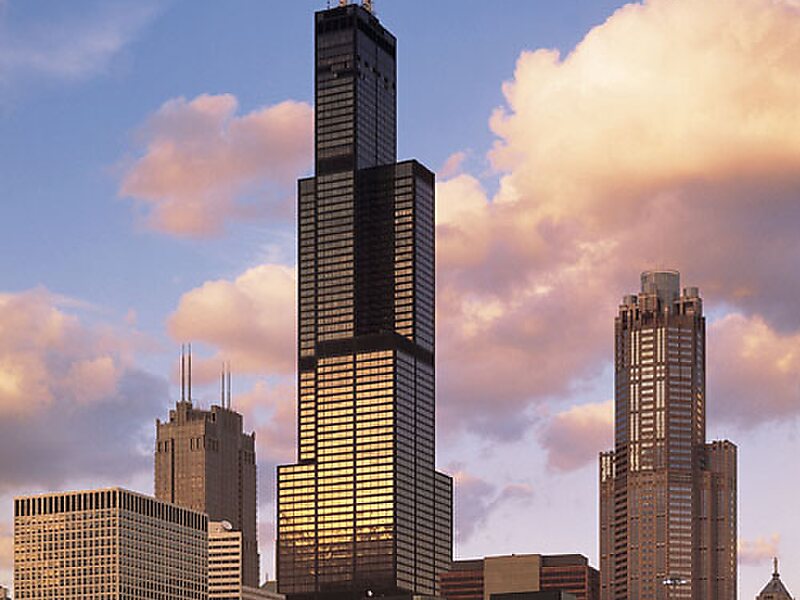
point(222, 386)
point(229, 385)
point(189, 379)
point(775, 564)
point(183, 374)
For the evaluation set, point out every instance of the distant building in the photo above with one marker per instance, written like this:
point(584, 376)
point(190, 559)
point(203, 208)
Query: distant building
point(534, 596)
point(484, 579)
point(204, 461)
point(108, 544)
point(4, 595)
point(667, 498)
point(225, 568)
point(775, 590)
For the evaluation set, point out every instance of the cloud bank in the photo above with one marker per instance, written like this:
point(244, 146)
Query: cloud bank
point(203, 165)
point(669, 136)
point(73, 405)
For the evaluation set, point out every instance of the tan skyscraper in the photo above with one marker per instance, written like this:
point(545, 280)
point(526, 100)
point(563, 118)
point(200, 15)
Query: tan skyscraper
point(667, 498)
point(108, 544)
point(205, 461)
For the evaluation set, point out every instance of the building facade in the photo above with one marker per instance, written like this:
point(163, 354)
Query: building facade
point(204, 461)
point(775, 590)
point(667, 498)
point(495, 576)
point(363, 510)
point(226, 568)
point(108, 544)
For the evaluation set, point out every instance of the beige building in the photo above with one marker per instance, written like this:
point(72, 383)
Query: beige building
point(4, 595)
point(109, 544)
point(225, 570)
point(205, 462)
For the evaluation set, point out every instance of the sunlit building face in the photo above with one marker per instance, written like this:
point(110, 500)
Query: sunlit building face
point(363, 511)
point(668, 499)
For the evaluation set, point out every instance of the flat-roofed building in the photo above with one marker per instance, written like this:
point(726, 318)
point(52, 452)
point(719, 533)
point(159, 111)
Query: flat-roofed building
point(109, 544)
point(484, 579)
point(225, 566)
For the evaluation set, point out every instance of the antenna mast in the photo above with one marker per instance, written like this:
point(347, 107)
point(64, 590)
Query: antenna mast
point(183, 374)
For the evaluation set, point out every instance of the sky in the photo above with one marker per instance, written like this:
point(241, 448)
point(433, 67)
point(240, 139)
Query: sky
point(148, 157)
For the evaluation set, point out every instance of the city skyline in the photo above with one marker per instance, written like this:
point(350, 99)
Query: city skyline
point(110, 259)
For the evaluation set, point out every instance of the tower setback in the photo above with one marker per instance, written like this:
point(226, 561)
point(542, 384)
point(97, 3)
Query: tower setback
point(363, 511)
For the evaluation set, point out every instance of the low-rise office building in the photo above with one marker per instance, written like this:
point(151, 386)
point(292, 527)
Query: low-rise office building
point(109, 544)
point(481, 579)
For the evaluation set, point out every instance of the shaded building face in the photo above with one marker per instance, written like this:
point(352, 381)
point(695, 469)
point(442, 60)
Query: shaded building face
point(667, 499)
point(363, 509)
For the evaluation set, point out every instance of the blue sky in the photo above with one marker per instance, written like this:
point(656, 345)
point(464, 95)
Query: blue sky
point(547, 214)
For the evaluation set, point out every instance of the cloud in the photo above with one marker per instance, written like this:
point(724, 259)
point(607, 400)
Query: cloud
point(574, 438)
point(203, 165)
point(250, 321)
point(6, 547)
point(753, 370)
point(70, 45)
point(476, 499)
point(452, 166)
point(757, 552)
point(72, 402)
point(669, 136)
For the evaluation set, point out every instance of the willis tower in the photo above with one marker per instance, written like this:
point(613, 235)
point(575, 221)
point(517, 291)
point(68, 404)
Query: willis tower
point(363, 512)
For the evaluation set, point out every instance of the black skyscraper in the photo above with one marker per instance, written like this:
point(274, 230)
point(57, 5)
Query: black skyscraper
point(363, 511)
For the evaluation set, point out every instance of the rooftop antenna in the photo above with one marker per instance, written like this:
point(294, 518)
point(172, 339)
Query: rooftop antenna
point(189, 379)
point(229, 385)
point(183, 374)
point(222, 386)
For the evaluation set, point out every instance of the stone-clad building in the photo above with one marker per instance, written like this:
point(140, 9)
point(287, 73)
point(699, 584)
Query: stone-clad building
point(205, 461)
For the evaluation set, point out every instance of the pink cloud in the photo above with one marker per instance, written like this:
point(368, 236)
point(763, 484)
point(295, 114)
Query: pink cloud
point(68, 386)
point(476, 499)
point(753, 370)
point(644, 146)
point(204, 166)
point(250, 321)
point(759, 551)
point(574, 438)
point(6, 548)
point(452, 166)
point(663, 138)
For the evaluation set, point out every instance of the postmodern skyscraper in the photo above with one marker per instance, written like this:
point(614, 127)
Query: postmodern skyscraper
point(363, 511)
point(667, 498)
point(204, 461)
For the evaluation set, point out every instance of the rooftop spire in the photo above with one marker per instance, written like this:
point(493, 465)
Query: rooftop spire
point(775, 570)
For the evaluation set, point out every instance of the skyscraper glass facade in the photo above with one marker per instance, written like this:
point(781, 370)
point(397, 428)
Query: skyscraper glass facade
point(363, 510)
point(662, 483)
